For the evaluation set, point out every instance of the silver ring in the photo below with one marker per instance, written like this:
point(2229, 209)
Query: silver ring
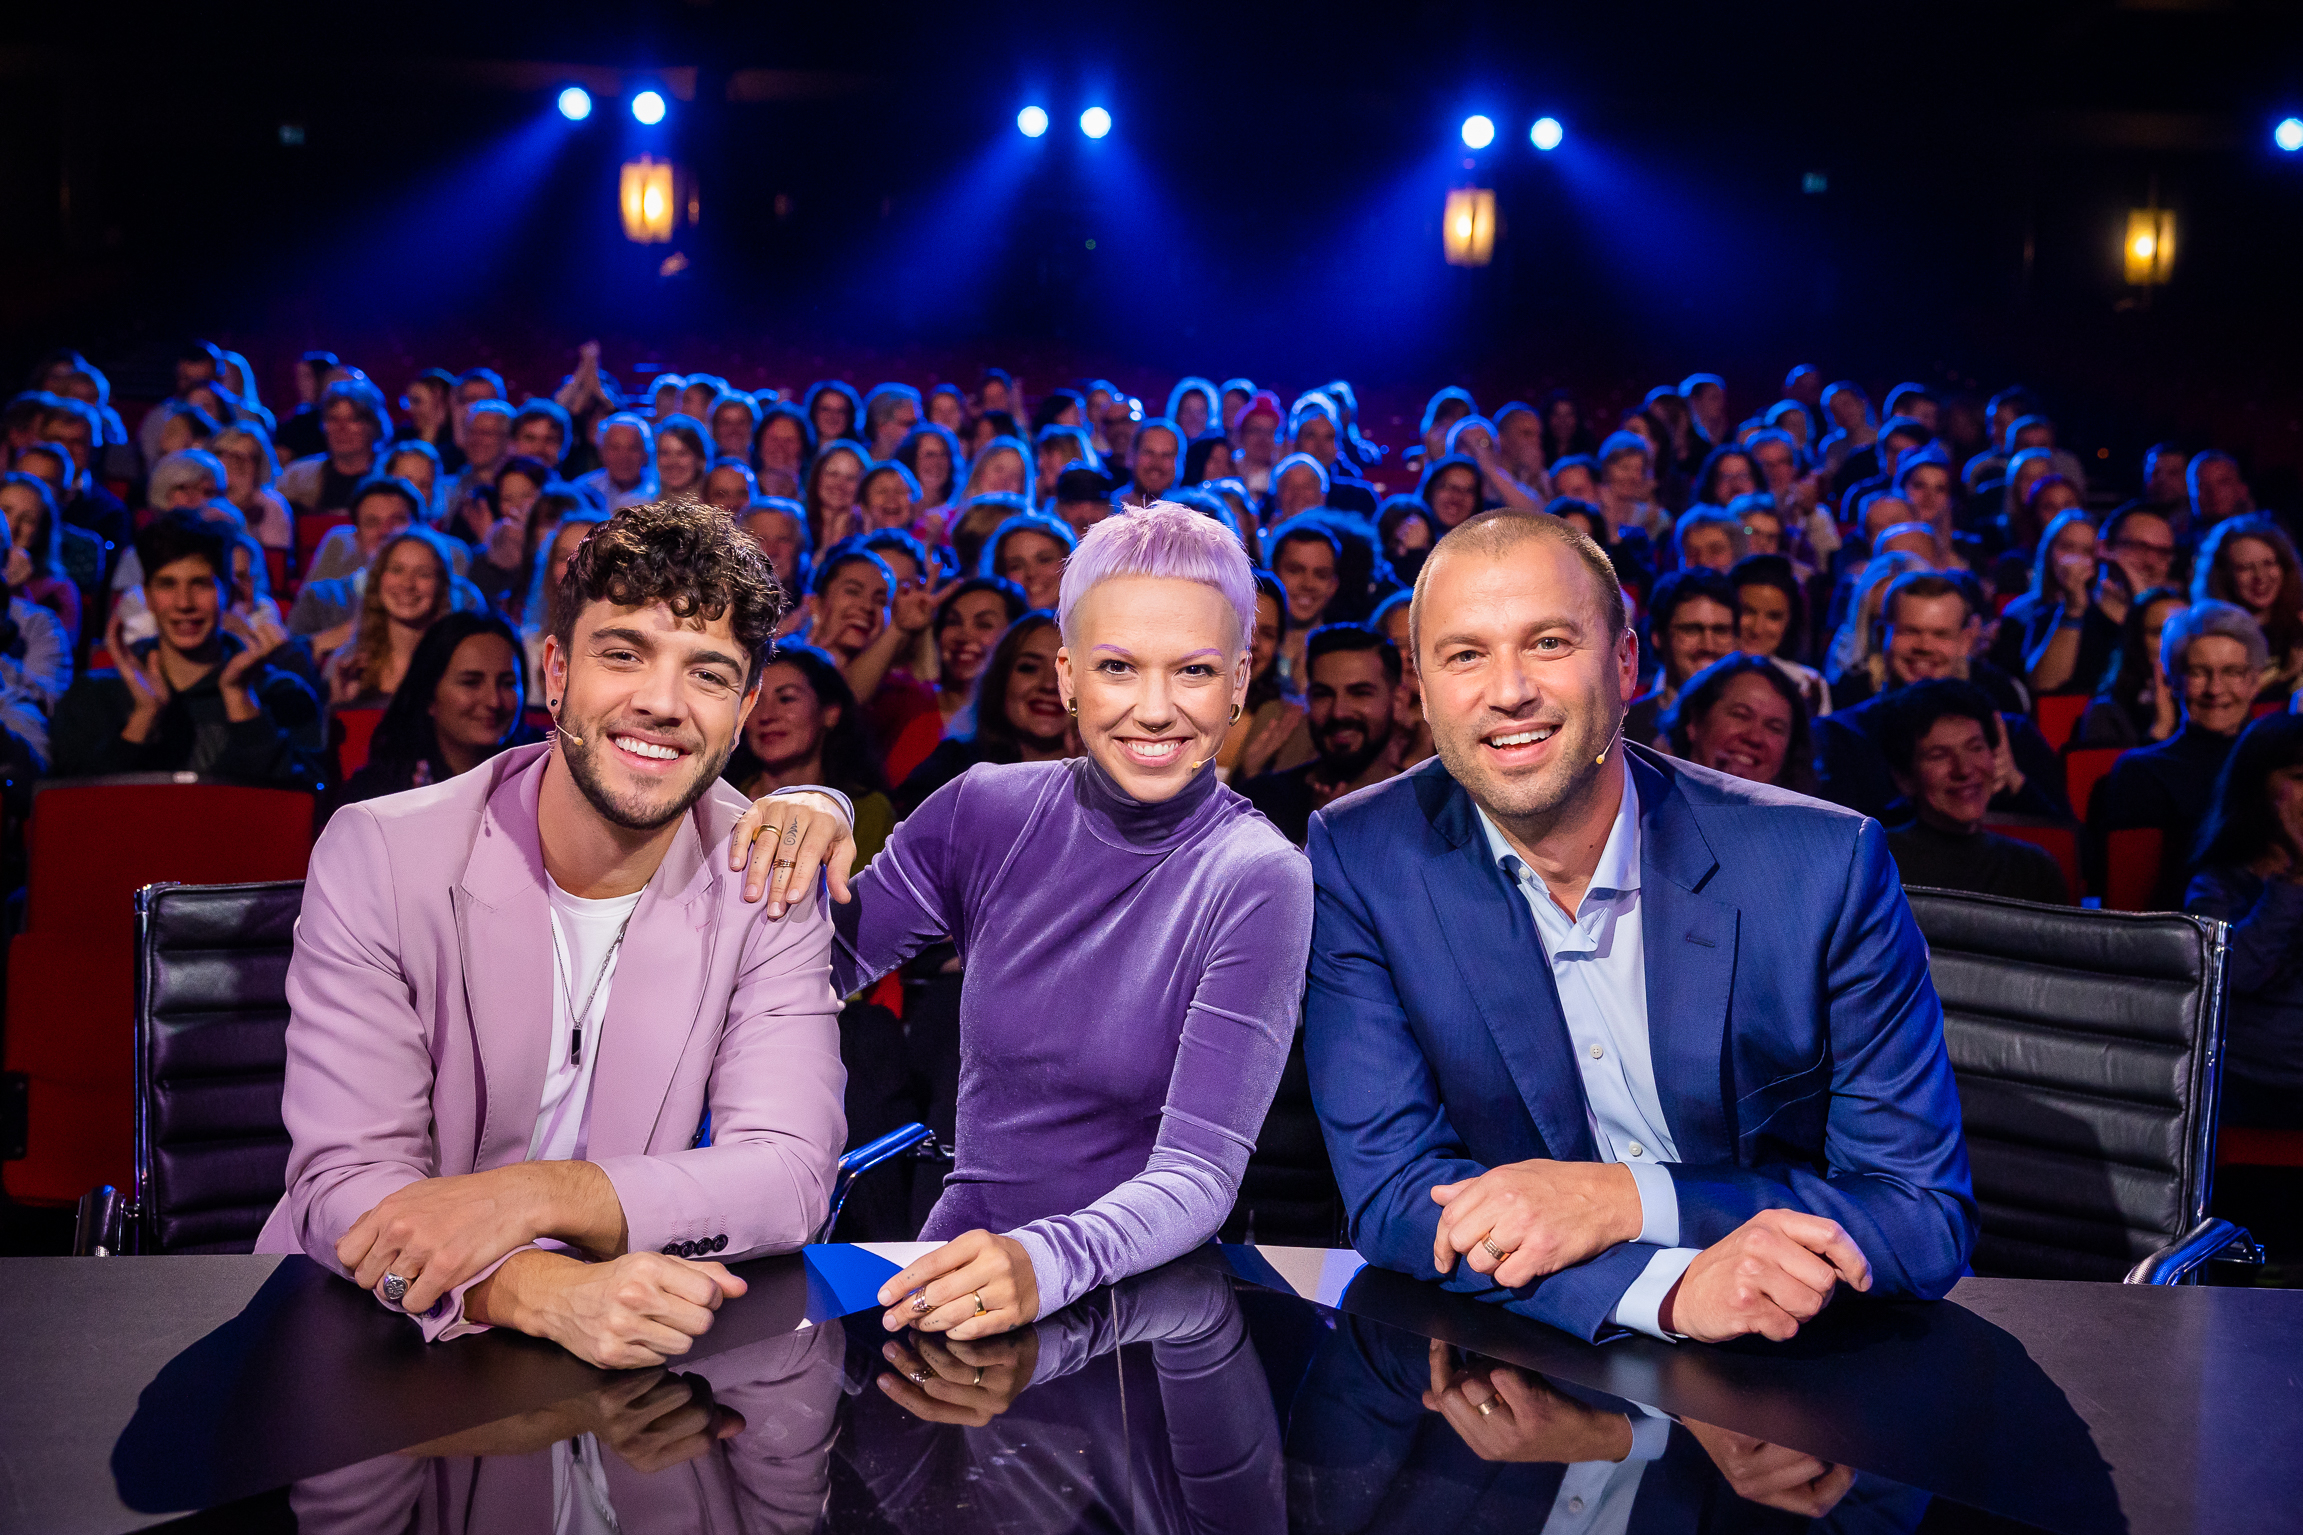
point(917, 1377)
point(395, 1288)
point(979, 1380)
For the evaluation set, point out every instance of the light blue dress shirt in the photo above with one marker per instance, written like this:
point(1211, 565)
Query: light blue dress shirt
point(1598, 964)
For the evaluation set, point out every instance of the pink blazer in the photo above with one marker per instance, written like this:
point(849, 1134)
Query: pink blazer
point(420, 1011)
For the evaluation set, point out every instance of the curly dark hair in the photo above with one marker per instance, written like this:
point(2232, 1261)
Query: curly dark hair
point(689, 556)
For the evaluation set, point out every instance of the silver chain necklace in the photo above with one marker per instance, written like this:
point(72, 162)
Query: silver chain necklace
point(576, 1018)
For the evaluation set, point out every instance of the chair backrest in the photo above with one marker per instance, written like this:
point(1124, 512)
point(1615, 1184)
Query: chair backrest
point(312, 528)
point(2059, 716)
point(2088, 1051)
point(211, 1055)
point(96, 842)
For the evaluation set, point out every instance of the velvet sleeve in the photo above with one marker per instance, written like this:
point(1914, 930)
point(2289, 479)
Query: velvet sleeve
point(1235, 1042)
point(907, 897)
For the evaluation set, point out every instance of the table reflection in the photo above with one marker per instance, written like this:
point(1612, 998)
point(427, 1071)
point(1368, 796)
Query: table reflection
point(741, 1441)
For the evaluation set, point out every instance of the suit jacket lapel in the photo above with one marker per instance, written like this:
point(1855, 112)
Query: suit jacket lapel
point(1690, 940)
point(654, 1000)
point(504, 929)
point(1510, 981)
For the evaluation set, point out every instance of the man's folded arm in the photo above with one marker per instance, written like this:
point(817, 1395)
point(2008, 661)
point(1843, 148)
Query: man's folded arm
point(1387, 1132)
point(1897, 1178)
point(765, 1181)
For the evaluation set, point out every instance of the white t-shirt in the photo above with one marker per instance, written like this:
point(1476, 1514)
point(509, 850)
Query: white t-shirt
point(583, 961)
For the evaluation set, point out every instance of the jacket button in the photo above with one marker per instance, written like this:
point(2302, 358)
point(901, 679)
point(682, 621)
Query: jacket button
point(671, 1249)
point(719, 1241)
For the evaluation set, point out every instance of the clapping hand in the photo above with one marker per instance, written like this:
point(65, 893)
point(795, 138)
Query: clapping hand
point(148, 689)
point(915, 605)
point(258, 637)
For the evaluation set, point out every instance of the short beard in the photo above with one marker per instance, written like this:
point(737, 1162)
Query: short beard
point(1539, 797)
point(1345, 768)
point(584, 768)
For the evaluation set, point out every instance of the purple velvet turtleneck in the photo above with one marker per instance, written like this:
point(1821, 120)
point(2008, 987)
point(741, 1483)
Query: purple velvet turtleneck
point(1134, 976)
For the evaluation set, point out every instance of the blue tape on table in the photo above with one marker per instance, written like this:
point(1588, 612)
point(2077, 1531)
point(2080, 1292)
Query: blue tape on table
point(844, 1279)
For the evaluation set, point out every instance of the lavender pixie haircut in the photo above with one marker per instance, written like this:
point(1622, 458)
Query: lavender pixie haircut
point(1163, 539)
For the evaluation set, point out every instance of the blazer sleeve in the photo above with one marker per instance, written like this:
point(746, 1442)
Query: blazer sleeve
point(1387, 1131)
point(765, 1181)
point(1894, 1167)
point(358, 1094)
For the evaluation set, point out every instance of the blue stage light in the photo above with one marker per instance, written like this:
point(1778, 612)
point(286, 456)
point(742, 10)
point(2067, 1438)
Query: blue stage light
point(1095, 122)
point(2289, 134)
point(575, 103)
point(648, 108)
point(1478, 132)
point(1546, 134)
point(1032, 121)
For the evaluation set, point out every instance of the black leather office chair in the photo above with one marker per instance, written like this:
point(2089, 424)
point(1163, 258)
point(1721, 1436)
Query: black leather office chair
point(211, 1153)
point(2088, 1047)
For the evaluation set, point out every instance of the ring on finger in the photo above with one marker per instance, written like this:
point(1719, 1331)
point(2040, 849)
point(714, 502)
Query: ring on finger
point(916, 1377)
point(981, 1308)
point(1485, 1409)
point(979, 1380)
point(920, 1305)
point(1493, 1251)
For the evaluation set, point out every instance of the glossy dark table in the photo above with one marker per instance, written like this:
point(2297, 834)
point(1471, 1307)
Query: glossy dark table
point(1241, 1389)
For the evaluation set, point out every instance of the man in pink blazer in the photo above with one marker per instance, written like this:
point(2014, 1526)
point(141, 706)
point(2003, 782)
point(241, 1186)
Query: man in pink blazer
point(517, 994)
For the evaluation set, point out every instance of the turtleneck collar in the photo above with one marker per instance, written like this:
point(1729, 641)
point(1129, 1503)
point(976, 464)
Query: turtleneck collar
point(1146, 827)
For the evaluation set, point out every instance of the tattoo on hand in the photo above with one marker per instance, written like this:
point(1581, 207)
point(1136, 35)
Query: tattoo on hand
point(791, 834)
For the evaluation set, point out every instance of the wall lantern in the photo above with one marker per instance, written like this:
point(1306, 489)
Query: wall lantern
point(2150, 248)
point(651, 206)
point(1468, 230)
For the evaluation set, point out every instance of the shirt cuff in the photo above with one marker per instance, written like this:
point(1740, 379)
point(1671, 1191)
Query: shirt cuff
point(1650, 1430)
point(1658, 1203)
point(847, 806)
point(1644, 1297)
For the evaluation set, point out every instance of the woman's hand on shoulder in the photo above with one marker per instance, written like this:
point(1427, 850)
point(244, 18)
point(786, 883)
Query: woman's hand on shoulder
point(973, 1286)
point(787, 839)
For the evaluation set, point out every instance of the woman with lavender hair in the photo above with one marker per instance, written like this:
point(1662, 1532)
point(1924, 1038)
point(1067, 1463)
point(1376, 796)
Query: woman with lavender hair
point(1134, 937)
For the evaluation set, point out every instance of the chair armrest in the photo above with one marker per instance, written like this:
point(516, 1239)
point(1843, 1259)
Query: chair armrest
point(862, 1160)
point(96, 1227)
point(2211, 1238)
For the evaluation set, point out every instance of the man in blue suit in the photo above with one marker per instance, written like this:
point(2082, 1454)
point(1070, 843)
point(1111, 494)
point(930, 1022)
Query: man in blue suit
point(1605, 1037)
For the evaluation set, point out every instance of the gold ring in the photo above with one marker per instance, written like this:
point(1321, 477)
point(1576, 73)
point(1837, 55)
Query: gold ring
point(786, 863)
point(979, 1380)
point(981, 1308)
point(1493, 1251)
point(1486, 1409)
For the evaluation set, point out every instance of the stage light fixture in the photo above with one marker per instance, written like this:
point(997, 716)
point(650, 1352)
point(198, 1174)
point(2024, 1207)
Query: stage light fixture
point(648, 199)
point(1031, 122)
point(2289, 134)
point(1546, 134)
point(575, 103)
point(1095, 122)
point(648, 108)
point(1478, 132)
point(2150, 248)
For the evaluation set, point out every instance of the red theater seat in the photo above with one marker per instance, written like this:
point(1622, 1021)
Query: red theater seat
point(2133, 857)
point(2061, 841)
point(2059, 716)
point(352, 730)
point(71, 972)
point(2083, 770)
point(311, 527)
point(2235, 1147)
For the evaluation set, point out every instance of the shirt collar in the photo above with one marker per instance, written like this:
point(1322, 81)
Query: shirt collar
point(1618, 867)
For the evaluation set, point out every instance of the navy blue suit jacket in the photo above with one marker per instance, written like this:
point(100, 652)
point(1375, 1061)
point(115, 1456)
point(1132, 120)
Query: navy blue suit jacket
point(1796, 1036)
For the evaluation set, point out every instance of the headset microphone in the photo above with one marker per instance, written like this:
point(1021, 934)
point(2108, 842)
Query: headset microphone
point(1601, 759)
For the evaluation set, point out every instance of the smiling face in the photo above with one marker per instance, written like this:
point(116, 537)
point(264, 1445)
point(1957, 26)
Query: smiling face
point(656, 700)
point(678, 465)
point(831, 415)
point(1155, 456)
point(1522, 682)
point(1952, 770)
point(1762, 614)
point(1034, 699)
point(782, 445)
point(788, 723)
point(1746, 733)
point(934, 461)
point(1299, 490)
point(851, 610)
point(1700, 632)
point(183, 596)
point(348, 430)
point(1926, 637)
point(1306, 571)
point(488, 437)
point(972, 626)
point(2218, 686)
point(778, 534)
point(2252, 568)
point(1454, 495)
point(1191, 414)
point(1733, 477)
point(1034, 562)
point(479, 695)
point(838, 478)
point(1350, 709)
point(1156, 665)
point(728, 488)
point(1708, 544)
point(539, 437)
point(888, 503)
point(409, 584)
point(624, 454)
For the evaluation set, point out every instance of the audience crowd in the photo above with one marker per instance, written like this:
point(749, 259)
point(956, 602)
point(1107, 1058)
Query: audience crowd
point(1927, 609)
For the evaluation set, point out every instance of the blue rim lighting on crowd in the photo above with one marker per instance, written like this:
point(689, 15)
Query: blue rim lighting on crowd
point(1546, 134)
point(1478, 131)
point(1095, 122)
point(575, 103)
point(1031, 122)
point(2289, 134)
point(648, 108)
